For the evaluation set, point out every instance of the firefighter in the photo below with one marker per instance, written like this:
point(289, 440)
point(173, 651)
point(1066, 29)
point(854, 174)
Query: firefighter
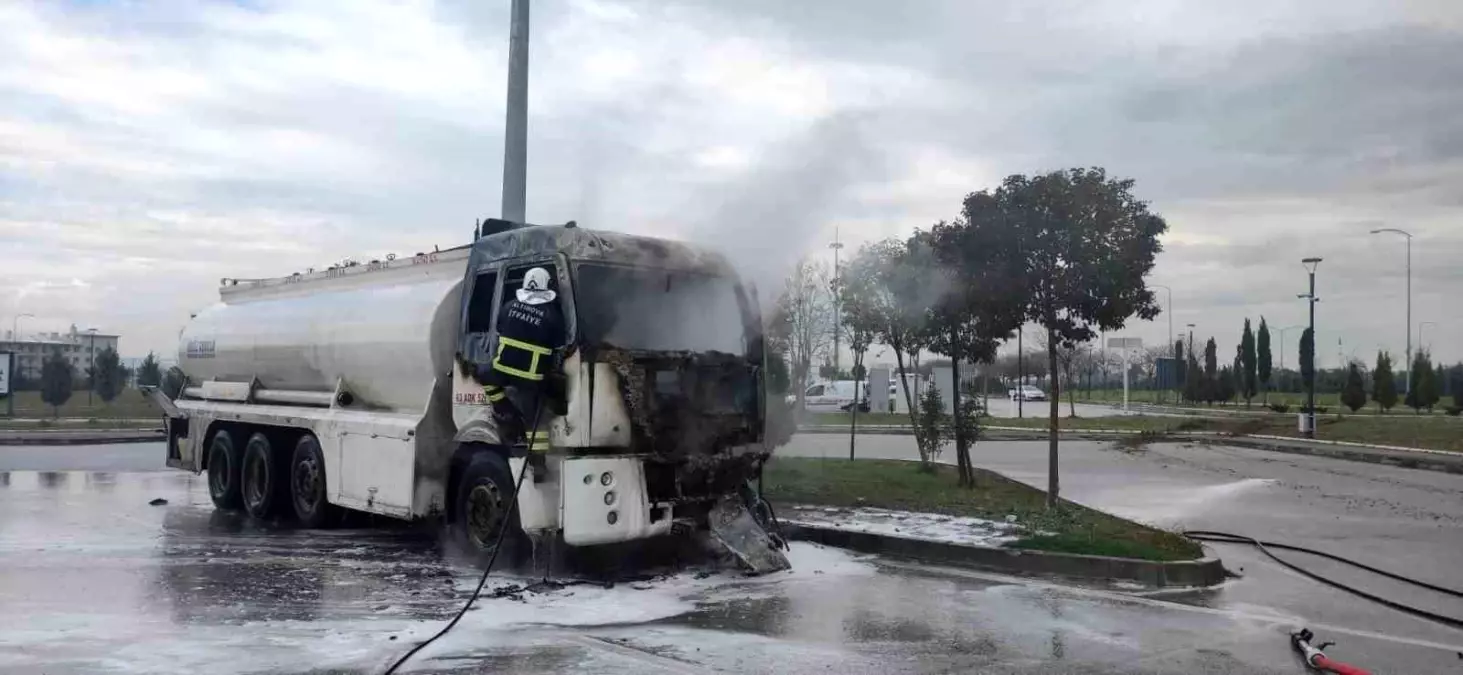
point(524, 366)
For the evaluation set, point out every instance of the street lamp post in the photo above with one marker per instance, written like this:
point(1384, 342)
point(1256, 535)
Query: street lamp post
point(1310, 265)
point(1393, 230)
point(1171, 349)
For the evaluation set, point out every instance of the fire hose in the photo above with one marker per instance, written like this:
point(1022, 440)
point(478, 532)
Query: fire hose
point(1317, 659)
point(1314, 655)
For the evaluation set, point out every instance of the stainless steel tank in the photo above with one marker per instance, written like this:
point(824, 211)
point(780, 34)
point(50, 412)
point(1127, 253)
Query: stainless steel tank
point(387, 330)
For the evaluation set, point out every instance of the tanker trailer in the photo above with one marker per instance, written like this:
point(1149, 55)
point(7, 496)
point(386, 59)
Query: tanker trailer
point(354, 388)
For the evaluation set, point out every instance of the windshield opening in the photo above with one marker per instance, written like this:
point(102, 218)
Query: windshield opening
point(658, 309)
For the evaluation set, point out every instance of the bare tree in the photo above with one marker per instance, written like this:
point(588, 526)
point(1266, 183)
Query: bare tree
point(803, 320)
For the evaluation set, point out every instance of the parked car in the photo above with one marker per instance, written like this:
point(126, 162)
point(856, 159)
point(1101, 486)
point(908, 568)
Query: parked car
point(1026, 392)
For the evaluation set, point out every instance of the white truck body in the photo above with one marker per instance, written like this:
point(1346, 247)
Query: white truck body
point(374, 361)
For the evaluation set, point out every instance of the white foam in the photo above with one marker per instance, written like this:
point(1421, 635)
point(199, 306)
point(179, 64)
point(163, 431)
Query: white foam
point(908, 524)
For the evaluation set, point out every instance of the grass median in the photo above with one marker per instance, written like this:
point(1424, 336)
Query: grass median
point(129, 403)
point(893, 484)
point(1433, 432)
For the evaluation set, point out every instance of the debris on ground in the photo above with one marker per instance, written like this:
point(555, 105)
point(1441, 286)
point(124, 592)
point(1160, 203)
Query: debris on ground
point(158, 502)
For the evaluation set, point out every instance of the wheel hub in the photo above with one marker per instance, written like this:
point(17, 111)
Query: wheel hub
point(484, 514)
point(307, 484)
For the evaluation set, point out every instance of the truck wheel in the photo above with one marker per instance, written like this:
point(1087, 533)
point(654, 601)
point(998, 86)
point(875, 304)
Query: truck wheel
point(307, 485)
point(223, 471)
point(484, 491)
point(263, 483)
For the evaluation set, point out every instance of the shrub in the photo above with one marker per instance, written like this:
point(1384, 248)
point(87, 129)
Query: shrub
point(1280, 407)
point(1454, 410)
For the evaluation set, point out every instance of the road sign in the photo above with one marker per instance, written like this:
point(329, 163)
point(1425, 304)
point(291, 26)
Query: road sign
point(5, 362)
point(1124, 343)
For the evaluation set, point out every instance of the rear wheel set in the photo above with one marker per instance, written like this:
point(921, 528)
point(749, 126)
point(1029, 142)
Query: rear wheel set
point(269, 481)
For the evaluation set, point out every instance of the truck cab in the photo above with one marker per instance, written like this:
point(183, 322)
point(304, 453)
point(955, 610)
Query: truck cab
point(663, 407)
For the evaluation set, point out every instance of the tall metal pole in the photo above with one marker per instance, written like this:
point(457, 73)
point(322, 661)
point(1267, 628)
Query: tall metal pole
point(1311, 384)
point(1408, 235)
point(515, 132)
point(1311, 264)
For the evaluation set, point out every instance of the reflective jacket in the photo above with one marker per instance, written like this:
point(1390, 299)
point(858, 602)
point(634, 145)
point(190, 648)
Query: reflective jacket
point(527, 337)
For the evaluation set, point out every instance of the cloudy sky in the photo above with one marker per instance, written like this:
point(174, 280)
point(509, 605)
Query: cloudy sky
point(148, 149)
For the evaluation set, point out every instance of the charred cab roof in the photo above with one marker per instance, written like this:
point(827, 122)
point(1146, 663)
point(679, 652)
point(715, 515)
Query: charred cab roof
point(504, 240)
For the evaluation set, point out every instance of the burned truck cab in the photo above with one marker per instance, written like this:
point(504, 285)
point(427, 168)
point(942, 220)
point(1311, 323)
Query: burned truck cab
point(663, 410)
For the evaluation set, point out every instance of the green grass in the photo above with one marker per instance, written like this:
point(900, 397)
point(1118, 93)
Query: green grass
point(128, 404)
point(892, 484)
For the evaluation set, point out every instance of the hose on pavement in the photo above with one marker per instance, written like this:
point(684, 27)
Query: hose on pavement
point(1265, 546)
point(497, 546)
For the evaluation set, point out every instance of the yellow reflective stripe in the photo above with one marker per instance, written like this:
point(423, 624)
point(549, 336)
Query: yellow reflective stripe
point(532, 373)
point(494, 398)
point(527, 346)
point(535, 377)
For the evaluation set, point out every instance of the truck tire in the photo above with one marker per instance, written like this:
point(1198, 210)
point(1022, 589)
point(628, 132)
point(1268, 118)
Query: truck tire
point(484, 491)
point(307, 485)
point(263, 483)
point(224, 460)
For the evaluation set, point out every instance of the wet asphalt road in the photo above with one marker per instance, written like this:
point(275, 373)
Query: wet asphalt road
point(93, 579)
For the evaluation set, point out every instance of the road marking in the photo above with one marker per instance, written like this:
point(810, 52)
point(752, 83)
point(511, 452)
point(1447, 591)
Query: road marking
point(1274, 619)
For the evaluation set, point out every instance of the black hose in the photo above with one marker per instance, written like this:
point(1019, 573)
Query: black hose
point(497, 546)
point(1265, 546)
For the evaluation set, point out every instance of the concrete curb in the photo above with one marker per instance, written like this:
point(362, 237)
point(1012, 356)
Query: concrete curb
point(1150, 573)
point(1425, 459)
point(79, 436)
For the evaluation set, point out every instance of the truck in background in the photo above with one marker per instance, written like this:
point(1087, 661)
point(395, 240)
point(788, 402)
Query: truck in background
point(353, 388)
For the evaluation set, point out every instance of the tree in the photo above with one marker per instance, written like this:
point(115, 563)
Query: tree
point(1225, 389)
point(58, 378)
point(1068, 358)
point(902, 291)
point(1424, 392)
point(108, 376)
point(1308, 359)
point(173, 382)
point(1193, 380)
point(932, 425)
point(975, 312)
point(1210, 388)
point(149, 374)
point(1263, 360)
point(862, 317)
point(802, 325)
point(778, 380)
point(1384, 383)
point(1353, 395)
point(1072, 249)
point(1248, 375)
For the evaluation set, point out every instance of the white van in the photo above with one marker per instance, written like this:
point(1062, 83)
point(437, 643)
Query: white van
point(834, 396)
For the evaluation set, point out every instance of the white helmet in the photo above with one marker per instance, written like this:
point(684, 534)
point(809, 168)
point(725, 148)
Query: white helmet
point(535, 290)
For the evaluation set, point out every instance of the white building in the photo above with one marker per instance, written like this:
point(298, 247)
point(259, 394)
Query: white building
point(78, 347)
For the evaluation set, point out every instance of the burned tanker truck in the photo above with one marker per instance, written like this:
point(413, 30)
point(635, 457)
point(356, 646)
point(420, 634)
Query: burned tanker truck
point(354, 388)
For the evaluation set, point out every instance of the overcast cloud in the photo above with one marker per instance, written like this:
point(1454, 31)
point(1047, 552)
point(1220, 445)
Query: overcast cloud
point(147, 149)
